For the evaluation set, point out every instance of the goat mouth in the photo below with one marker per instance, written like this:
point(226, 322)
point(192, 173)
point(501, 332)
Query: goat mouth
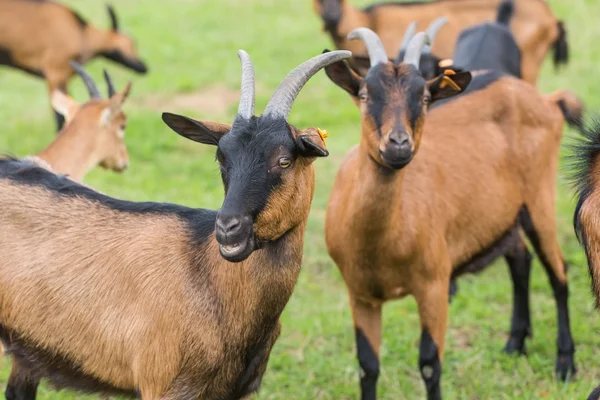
point(396, 163)
point(237, 252)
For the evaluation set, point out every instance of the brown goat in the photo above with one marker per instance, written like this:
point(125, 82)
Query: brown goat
point(534, 26)
point(586, 172)
point(41, 37)
point(94, 133)
point(454, 183)
point(111, 296)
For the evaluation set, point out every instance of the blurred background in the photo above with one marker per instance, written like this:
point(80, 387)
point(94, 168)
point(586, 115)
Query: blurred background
point(190, 47)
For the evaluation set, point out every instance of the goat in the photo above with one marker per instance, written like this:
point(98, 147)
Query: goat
point(94, 133)
point(534, 26)
point(111, 296)
point(41, 37)
point(429, 65)
point(451, 208)
point(585, 167)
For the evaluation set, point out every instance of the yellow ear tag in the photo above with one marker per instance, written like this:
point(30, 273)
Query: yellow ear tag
point(449, 72)
point(323, 133)
point(449, 82)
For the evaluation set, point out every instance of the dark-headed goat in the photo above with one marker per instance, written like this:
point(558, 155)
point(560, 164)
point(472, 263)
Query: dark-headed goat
point(535, 27)
point(454, 183)
point(41, 38)
point(160, 300)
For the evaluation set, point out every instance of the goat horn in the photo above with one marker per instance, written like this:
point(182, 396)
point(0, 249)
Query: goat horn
point(247, 95)
point(110, 84)
point(408, 34)
point(114, 22)
point(415, 48)
point(377, 53)
point(433, 29)
point(87, 79)
point(282, 100)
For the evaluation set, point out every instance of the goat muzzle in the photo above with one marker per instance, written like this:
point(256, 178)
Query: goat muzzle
point(235, 235)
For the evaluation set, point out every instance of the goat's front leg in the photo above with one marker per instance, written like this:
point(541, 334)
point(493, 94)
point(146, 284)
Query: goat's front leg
point(367, 328)
point(432, 302)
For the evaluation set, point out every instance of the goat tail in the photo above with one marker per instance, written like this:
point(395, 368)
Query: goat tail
point(505, 12)
point(584, 174)
point(561, 46)
point(570, 105)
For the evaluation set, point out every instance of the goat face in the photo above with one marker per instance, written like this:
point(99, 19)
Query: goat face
point(266, 167)
point(266, 163)
point(394, 100)
point(121, 48)
point(330, 12)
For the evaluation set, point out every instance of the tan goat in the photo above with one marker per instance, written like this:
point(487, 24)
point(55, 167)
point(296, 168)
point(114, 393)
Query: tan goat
point(454, 183)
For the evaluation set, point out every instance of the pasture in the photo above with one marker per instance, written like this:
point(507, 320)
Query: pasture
point(190, 47)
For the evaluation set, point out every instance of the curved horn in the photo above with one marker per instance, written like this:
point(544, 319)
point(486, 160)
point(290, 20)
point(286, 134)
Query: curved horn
point(433, 29)
point(110, 84)
point(408, 34)
point(377, 53)
point(282, 100)
point(114, 22)
point(415, 48)
point(87, 79)
point(247, 95)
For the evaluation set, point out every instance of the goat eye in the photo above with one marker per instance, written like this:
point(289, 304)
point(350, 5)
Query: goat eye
point(284, 162)
point(363, 97)
point(426, 100)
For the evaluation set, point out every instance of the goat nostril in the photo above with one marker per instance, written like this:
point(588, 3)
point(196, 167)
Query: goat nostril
point(400, 140)
point(229, 225)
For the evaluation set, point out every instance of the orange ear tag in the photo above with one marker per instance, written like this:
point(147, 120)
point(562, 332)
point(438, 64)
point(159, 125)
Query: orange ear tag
point(449, 82)
point(449, 72)
point(323, 133)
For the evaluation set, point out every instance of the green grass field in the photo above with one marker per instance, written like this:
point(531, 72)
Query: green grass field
point(191, 46)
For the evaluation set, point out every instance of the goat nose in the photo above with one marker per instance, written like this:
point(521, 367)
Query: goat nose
point(229, 225)
point(400, 140)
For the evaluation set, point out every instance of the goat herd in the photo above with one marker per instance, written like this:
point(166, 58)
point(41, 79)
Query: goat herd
point(150, 305)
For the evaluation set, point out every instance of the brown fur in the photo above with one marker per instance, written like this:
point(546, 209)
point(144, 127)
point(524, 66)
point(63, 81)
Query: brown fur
point(534, 26)
point(139, 305)
point(462, 192)
point(43, 36)
point(94, 135)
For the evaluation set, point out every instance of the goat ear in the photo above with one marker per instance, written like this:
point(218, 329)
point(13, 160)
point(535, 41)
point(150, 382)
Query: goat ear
point(117, 100)
point(311, 143)
point(449, 84)
point(64, 105)
point(343, 76)
point(206, 132)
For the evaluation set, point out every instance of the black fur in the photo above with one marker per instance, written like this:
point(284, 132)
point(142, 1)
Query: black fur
point(200, 222)
point(6, 59)
point(430, 365)
point(369, 365)
point(505, 12)
point(595, 395)
point(131, 63)
point(585, 152)
point(487, 256)
point(565, 362)
point(479, 82)
point(59, 369)
point(519, 264)
point(561, 46)
point(373, 7)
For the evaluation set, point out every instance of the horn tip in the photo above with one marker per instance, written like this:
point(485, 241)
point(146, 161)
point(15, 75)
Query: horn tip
point(356, 33)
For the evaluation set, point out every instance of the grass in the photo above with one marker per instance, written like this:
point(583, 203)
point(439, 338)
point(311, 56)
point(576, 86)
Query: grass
point(191, 47)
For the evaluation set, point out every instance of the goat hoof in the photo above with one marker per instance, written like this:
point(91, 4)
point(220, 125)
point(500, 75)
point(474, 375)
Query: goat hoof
point(515, 346)
point(565, 367)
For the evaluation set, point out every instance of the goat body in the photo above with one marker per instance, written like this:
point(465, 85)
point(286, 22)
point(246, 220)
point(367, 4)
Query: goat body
point(144, 310)
point(534, 26)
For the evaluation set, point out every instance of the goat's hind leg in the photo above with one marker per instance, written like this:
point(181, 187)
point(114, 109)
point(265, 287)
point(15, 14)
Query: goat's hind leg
point(518, 259)
point(540, 226)
point(21, 384)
